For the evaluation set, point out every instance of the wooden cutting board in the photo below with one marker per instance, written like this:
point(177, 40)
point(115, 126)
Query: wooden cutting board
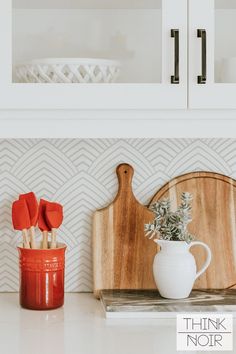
point(122, 256)
point(214, 222)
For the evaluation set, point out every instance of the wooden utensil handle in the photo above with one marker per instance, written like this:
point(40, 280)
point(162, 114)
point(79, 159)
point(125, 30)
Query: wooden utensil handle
point(53, 238)
point(32, 237)
point(45, 240)
point(25, 238)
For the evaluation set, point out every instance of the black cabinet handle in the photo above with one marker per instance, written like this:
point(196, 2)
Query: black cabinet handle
point(201, 79)
point(175, 77)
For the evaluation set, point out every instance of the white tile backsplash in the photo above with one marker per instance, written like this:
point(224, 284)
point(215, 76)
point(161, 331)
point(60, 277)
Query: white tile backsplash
point(80, 173)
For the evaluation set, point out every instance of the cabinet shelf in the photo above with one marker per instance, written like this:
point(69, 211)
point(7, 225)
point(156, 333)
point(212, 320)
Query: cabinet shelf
point(87, 4)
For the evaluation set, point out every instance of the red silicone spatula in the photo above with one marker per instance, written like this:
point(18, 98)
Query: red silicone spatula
point(54, 217)
point(33, 208)
point(21, 219)
point(44, 227)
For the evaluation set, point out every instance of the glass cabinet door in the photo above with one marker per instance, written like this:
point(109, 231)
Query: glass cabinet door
point(212, 48)
point(128, 32)
point(93, 54)
point(225, 41)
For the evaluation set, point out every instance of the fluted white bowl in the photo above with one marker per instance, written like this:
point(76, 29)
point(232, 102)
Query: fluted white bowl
point(68, 70)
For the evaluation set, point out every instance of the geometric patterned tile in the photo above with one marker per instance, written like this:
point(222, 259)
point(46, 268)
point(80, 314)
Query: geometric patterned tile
point(80, 173)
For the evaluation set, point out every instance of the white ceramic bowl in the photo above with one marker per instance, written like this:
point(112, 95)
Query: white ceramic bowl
point(68, 70)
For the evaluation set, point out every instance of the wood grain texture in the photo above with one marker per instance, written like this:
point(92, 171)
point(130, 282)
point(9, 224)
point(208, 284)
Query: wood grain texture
point(122, 255)
point(214, 222)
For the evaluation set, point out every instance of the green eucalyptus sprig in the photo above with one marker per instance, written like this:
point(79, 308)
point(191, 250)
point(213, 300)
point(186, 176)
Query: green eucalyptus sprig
point(169, 225)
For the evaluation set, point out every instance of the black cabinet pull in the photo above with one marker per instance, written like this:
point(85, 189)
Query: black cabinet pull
point(175, 77)
point(201, 79)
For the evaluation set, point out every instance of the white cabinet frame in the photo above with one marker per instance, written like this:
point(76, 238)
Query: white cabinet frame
point(211, 95)
point(100, 96)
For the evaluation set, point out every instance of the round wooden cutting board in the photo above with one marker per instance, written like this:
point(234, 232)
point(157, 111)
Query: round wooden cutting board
point(214, 222)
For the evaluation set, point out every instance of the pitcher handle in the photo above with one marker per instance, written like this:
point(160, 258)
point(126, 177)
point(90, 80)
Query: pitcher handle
point(208, 260)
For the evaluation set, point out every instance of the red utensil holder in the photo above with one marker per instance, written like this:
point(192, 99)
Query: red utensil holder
point(42, 277)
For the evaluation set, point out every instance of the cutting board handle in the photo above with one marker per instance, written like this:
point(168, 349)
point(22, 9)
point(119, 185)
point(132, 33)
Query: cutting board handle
point(125, 173)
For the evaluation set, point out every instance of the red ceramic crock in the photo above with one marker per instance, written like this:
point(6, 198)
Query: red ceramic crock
point(42, 277)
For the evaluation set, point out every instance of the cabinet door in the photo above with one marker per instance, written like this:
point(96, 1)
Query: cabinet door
point(137, 33)
point(212, 54)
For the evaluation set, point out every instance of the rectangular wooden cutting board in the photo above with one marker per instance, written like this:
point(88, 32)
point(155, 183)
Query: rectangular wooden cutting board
point(122, 255)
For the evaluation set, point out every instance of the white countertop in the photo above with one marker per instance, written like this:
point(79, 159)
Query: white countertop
point(80, 328)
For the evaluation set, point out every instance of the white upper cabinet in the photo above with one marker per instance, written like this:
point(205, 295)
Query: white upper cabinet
point(136, 54)
point(118, 54)
point(212, 54)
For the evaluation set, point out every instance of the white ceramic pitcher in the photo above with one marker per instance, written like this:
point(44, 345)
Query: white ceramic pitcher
point(174, 268)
